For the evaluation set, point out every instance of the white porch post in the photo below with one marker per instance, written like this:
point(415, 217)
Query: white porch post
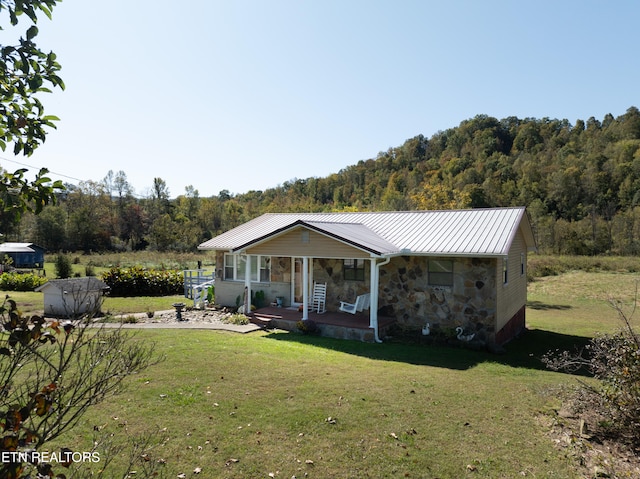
point(373, 297)
point(305, 288)
point(247, 285)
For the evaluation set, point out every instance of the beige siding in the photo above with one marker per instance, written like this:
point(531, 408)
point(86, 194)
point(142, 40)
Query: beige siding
point(304, 242)
point(513, 295)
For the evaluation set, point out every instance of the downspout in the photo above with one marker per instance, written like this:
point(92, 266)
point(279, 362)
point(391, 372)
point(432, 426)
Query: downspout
point(375, 284)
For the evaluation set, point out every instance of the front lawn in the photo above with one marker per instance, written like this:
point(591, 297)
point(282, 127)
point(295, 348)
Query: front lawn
point(278, 404)
point(292, 405)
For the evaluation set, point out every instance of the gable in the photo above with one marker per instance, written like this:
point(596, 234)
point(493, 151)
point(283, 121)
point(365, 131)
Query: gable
point(301, 241)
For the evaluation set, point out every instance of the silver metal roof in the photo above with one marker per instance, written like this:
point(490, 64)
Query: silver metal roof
point(16, 248)
point(475, 232)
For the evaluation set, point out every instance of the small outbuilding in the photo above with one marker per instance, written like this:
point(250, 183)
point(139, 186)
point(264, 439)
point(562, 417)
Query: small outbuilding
point(73, 297)
point(23, 255)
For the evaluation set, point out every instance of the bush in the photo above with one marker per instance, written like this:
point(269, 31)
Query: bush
point(613, 359)
point(20, 281)
point(553, 265)
point(238, 319)
point(63, 266)
point(307, 326)
point(136, 281)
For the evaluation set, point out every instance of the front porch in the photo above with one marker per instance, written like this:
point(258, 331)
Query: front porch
point(331, 324)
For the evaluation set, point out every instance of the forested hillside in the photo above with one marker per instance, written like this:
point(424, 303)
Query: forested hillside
point(580, 183)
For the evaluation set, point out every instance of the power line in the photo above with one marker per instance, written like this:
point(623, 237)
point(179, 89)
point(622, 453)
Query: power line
point(37, 167)
point(135, 195)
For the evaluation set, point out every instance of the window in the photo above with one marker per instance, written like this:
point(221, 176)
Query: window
point(505, 270)
point(522, 264)
point(265, 269)
point(235, 268)
point(353, 269)
point(229, 266)
point(440, 272)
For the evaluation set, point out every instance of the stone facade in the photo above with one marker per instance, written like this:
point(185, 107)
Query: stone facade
point(470, 303)
point(405, 293)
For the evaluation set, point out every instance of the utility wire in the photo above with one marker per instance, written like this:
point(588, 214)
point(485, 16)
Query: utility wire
point(38, 168)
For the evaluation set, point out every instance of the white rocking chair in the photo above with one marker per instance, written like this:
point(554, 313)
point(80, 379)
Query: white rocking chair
point(319, 298)
point(362, 303)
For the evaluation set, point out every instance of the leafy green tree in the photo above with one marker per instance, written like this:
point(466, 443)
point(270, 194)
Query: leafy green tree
point(25, 73)
point(50, 228)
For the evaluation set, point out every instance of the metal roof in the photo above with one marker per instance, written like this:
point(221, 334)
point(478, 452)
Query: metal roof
point(474, 232)
point(17, 248)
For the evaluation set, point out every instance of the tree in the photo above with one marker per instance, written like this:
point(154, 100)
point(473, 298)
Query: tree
point(50, 228)
point(25, 73)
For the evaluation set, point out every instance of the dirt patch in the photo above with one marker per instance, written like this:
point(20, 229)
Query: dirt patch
point(595, 455)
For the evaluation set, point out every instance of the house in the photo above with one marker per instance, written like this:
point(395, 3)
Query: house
point(73, 297)
point(457, 268)
point(23, 255)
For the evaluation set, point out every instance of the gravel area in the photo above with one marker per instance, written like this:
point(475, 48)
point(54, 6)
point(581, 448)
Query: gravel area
point(191, 319)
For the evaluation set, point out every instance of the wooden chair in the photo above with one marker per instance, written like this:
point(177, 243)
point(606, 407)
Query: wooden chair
point(362, 303)
point(319, 298)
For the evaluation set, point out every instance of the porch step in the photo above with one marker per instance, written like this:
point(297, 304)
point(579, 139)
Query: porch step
point(264, 320)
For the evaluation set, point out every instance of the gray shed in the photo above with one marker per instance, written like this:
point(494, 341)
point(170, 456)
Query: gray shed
point(73, 297)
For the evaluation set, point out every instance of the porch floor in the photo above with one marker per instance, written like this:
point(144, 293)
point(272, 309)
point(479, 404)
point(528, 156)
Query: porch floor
point(332, 324)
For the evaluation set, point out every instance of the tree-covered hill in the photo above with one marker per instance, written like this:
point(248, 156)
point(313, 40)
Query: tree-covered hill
point(580, 183)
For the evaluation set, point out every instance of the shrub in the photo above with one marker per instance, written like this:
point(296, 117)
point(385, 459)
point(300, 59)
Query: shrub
point(613, 359)
point(238, 319)
point(63, 266)
point(258, 299)
point(137, 281)
point(20, 281)
point(307, 326)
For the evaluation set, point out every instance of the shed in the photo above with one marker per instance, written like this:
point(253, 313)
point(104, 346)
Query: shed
point(24, 255)
point(71, 298)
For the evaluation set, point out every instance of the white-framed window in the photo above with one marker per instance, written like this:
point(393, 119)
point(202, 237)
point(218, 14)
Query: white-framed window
point(440, 272)
point(235, 268)
point(523, 263)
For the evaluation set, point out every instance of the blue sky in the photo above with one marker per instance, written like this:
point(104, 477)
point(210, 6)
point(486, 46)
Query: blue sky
point(244, 95)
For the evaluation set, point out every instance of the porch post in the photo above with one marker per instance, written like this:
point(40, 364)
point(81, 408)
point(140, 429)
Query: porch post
point(305, 288)
point(247, 286)
point(373, 297)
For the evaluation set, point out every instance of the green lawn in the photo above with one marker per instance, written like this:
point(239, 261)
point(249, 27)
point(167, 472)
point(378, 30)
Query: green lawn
point(282, 404)
point(250, 405)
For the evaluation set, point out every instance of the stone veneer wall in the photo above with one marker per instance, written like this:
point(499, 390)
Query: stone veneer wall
point(330, 271)
point(406, 295)
point(470, 303)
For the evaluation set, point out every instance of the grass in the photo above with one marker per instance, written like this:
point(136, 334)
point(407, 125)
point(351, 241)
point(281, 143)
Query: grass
point(32, 303)
point(289, 405)
point(285, 404)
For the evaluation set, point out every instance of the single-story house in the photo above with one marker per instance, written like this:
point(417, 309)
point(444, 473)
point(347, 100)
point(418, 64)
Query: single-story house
point(24, 255)
point(450, 269)
point(73, 297)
